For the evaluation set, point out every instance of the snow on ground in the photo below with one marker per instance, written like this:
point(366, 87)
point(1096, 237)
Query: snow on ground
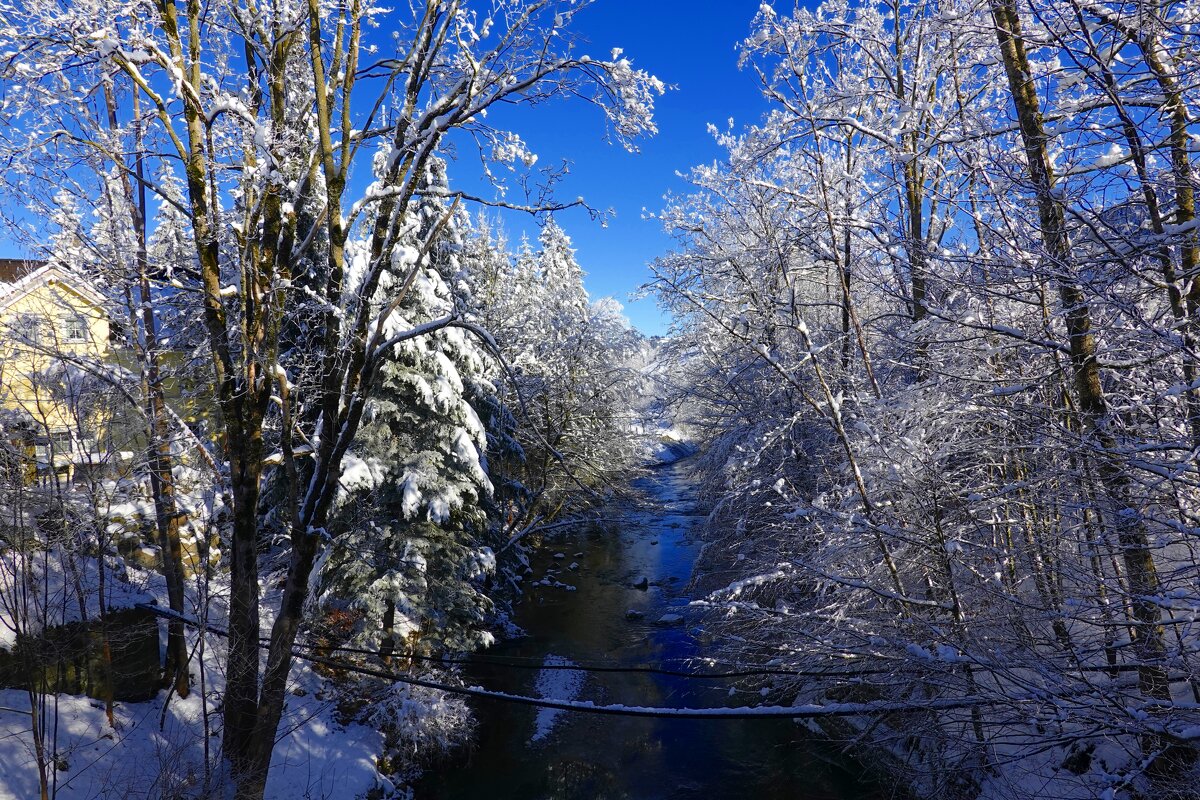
point(559, 684)
point(139, 758)
point(62, 584)
point(663, 442)
point(319, 757)
point(149, 754)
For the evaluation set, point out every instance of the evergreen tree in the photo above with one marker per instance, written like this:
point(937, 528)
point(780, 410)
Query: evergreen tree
point(569, 375)
point(486, 280)
point(414, 491)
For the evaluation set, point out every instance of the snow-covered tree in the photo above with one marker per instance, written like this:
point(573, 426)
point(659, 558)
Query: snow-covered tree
point(415, 490)
point(264, 113)
point(932, 313)
point(570, 379)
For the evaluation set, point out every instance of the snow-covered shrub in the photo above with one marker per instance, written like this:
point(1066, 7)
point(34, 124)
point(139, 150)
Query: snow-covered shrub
point(418, 724)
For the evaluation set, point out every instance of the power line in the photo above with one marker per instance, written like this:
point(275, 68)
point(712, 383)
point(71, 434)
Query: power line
point(595, 666)
point(810, 711)
point(515, 662)
point(750, 712)
point(511, 662)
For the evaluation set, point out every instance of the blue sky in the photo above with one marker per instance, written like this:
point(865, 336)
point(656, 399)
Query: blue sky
point(688, 44)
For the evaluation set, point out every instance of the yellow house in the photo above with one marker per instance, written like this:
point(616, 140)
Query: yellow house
point(54, 335)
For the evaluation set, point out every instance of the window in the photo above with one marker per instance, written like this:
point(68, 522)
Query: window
point(27, 329)
point(74, 329)
point(61, 441)
point(58, 443)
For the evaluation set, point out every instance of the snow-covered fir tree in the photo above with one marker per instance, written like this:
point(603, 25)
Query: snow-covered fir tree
point(569, 376)
point(414, 554)
point(486, 291)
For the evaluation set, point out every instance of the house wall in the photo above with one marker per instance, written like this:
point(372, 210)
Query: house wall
point(43, 328)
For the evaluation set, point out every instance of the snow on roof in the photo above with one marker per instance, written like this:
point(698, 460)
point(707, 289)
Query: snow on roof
point(19, 278)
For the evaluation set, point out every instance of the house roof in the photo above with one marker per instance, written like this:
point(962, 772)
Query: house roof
point(27, 275)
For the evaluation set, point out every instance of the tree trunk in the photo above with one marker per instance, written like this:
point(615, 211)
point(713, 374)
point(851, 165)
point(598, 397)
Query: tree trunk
point(1183, 312)
point(169, 519)
point(1129, 524)
point(241, 685)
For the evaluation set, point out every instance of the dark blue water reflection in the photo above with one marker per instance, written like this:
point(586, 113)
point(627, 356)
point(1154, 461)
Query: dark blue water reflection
point(520, 756)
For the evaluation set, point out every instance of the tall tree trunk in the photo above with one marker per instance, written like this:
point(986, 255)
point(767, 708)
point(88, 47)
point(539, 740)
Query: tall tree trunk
point(240, 394)
point(1128, 521)
point(912, 204)
point(169, 519)
point(1185, 212)
point(241, 683)
point(168, 516)
point(1183, 308)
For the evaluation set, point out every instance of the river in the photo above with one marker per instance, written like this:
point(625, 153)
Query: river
point(523, 753)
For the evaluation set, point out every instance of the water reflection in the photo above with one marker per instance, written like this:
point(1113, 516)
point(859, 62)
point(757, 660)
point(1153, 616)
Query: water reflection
point(522, 755)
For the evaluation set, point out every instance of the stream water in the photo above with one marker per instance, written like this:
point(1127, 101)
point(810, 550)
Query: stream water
point(538, 754)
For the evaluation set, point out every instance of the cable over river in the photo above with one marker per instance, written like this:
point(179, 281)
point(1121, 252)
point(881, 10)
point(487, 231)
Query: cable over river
point(597, 597)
